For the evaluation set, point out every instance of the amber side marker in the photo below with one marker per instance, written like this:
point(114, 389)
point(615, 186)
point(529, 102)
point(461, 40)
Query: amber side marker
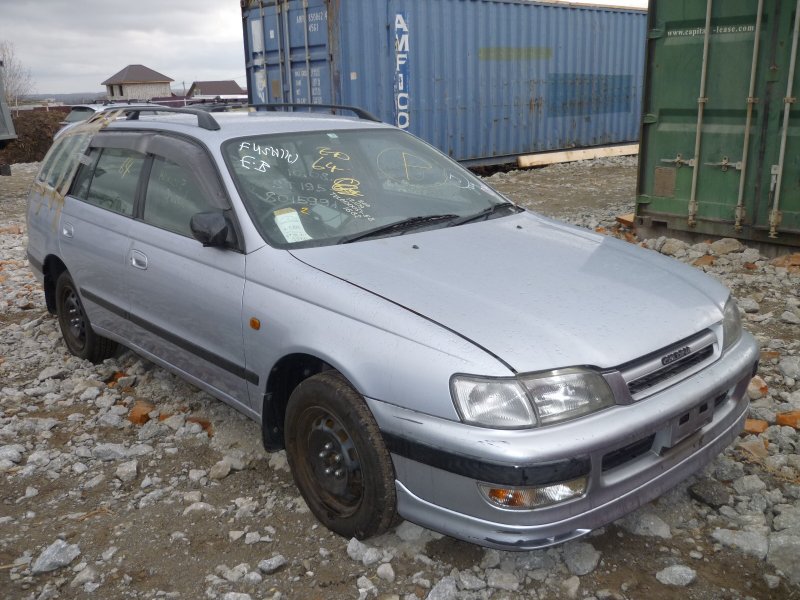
point(255, 323)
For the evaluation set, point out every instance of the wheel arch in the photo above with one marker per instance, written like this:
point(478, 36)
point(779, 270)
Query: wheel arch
point(52, 267)
point(284, 377)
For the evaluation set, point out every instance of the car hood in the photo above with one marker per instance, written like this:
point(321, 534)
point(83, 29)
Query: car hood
point(535, 293)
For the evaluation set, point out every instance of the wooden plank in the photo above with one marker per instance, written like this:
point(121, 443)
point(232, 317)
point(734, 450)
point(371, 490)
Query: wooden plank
point(549, 158)
point(627, 220)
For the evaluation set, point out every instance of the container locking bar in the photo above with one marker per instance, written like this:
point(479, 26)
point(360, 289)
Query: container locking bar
point(701, 104)
point(725, 164)
point(679, 161)
point(775, 214)
point(751, 100)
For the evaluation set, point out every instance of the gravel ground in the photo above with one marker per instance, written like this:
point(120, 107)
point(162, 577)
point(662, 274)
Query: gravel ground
point(122, 481)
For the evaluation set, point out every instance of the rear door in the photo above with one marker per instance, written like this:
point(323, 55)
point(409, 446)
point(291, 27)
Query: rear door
point(186, 300)
point(93, 227)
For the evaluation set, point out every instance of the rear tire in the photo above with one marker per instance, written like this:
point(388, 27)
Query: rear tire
point(80, 338)
point(338, 458)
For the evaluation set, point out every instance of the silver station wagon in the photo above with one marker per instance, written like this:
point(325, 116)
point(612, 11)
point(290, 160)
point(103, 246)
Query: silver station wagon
point(421, 347)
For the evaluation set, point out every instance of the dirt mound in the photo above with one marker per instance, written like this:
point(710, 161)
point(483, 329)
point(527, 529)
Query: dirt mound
point(35, 132)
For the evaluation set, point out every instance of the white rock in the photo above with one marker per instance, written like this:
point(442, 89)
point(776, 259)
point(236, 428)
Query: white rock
point(127, 471)
point(647, 523)
point(677, 575)
point(726, 246)
point(12, 452)
point(56, 555)
point(784, 554)
point(581, 558)
point(502, 580)
point(386, 572)
point(467, 580)
point(270, 565)
point(356, 549)
point(445, 589)
point(790, 367)
point(365, 585)
point(196, 475)
point(749, 542)
point(278, 461)
point(39, 458)
point(85, 576)
point(571, 587)
point(371, 556)
point(108, 452)
point(220, 470)
point(234, 536)
point(198, 507)
point(252, 537)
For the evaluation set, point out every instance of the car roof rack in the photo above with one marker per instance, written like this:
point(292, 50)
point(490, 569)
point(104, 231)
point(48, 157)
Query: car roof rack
point(359, 112)
point(204, 118)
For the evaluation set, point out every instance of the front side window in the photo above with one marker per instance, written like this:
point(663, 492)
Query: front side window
point(173, 197)
point(328, 187)
point(116, 177)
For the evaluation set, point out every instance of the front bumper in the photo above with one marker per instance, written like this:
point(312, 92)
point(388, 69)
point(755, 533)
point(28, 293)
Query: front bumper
point(629, 454)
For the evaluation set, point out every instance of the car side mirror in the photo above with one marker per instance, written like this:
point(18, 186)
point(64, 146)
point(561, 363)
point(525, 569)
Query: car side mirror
point(209, 228)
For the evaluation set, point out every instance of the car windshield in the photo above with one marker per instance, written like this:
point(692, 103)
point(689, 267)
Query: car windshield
point(329, 187)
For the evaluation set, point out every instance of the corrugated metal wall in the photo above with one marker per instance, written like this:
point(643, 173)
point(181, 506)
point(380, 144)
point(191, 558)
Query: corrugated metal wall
point(483, 80)
point(728, 165)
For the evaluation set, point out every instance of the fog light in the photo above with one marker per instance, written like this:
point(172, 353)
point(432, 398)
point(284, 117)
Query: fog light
point(533, 497)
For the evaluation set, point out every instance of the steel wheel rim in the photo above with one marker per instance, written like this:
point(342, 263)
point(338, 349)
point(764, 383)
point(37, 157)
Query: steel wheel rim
point(332, 467)
point(74, 317)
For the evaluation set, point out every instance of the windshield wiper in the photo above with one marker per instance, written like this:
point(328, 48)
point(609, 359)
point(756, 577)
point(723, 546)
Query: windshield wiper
point(398, 226)
point(486, 213)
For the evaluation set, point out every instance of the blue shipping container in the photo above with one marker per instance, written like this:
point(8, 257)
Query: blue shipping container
point(482, 80)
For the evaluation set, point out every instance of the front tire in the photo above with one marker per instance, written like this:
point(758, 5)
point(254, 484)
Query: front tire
point(338, 458)
point(80, 338)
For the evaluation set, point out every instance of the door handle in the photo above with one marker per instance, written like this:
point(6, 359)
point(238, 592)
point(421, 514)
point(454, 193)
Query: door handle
point(138, 259)
point(67, 230)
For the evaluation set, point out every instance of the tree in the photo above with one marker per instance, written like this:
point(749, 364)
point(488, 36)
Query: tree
point(17, 81)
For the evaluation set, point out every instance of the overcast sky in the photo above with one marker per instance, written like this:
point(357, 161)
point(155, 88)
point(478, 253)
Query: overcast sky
point(74, 45)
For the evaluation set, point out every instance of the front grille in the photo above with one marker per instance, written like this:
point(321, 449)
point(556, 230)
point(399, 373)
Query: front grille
point(628, 453)
point(637, 386)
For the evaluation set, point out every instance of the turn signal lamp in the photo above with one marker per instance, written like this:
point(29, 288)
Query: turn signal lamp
point(523, 498)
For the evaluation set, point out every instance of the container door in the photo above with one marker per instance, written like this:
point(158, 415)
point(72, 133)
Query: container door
point(717, 95)
point(777, 190)
point(286, 51)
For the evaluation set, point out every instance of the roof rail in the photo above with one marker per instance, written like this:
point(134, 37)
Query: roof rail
point(204, 118)
point(359, 112)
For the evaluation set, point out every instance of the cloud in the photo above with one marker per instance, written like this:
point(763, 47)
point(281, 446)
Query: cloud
point(72, 46)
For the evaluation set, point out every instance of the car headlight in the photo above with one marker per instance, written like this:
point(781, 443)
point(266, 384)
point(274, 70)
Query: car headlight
point(499, 403)
point(530, 400)
point(567, 394)
point(731, 324)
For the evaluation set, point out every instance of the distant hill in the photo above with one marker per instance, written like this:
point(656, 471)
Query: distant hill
point(76, 98)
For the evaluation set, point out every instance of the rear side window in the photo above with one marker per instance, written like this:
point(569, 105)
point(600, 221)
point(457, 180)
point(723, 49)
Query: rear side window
point(173, 197)
point(116, 177)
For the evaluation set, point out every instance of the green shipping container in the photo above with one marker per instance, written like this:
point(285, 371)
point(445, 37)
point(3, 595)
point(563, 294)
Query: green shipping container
point(720, 143)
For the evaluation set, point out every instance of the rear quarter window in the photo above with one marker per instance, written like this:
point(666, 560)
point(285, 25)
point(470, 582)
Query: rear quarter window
point(62, 161)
